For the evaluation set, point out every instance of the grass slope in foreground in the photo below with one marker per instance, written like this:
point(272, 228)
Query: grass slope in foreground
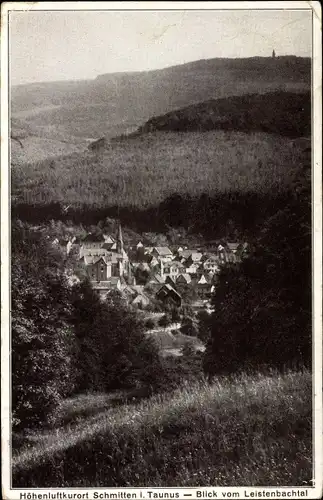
point(248, 430)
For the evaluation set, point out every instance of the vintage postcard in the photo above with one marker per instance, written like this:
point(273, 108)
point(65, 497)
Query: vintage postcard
point(161, 250)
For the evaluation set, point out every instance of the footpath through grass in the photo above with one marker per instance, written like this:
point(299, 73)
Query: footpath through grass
point(248, 430)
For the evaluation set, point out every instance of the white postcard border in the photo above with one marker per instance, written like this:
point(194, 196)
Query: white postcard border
point(222, 492)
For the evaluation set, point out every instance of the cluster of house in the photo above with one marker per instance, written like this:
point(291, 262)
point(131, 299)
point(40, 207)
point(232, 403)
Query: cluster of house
point(168, 271)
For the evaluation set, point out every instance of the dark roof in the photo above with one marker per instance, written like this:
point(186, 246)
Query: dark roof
point(108, 246)
point(64, 242)
point(150, 258)
point(169, 289)
point(93, 238)
point(185, 277)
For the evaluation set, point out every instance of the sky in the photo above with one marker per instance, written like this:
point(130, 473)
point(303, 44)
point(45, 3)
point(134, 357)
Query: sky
point(79, 45)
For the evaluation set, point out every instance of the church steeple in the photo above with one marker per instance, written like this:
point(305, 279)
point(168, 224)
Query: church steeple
point(120, 248)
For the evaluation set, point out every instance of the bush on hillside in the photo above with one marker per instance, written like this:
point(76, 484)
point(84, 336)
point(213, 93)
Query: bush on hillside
point(175, 315)
point(204, 325)
point(165, 320)
point(150, 323)
point(112, 350)
point(189, 327)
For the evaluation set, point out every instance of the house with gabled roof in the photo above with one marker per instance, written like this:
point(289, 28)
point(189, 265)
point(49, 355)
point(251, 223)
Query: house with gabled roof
point(128, 292)
point(170, 281)
point(233, 247)
point(191, 267)
point(173, 268)
point(195, 257)
point(153, 261)
point(183, 279)
point(168, 295)
point(233, 252)
point(163, 253)
point(141, 300)
point(93, 241)
point(203, 280)
point(135, 295)
point(101, 267)
point(211, 264)
point(203, 285)
point(157, 279)
point(104, 287)
point(110, 246)
point(185, 254)
point(108, 239)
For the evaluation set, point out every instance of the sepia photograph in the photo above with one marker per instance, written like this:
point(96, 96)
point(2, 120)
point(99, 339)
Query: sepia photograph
point(161, 250)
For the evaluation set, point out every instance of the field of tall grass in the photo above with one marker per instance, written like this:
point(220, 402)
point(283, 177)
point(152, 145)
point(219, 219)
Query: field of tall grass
point(143, 171)
point(245, 430)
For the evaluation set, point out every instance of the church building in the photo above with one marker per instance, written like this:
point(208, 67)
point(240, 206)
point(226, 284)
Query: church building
point(103, 264)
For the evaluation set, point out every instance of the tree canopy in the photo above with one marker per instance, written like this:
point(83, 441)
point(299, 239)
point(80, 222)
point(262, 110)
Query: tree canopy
point(263, 305)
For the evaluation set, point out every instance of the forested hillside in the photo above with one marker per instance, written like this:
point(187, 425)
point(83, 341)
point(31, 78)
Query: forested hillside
point(284, 113)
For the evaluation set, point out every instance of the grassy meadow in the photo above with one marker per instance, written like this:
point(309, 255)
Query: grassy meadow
point(143, 171)
point(34, 148)
point(243, 430)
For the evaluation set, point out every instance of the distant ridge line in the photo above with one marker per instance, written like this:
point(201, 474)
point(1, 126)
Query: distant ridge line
point(199, 61)
point(119, 74)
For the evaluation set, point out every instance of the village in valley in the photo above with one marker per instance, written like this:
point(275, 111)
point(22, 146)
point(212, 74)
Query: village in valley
point(150, 277)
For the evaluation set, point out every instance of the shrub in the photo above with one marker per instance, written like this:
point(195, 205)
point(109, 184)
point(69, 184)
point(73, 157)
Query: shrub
point(149, 323)
point(204, 325)
point(113, 351)
point(165, 320)
point(189, 326)
point(175, 315)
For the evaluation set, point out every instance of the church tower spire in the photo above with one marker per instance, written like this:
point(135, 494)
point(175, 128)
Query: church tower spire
point(120, 248)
